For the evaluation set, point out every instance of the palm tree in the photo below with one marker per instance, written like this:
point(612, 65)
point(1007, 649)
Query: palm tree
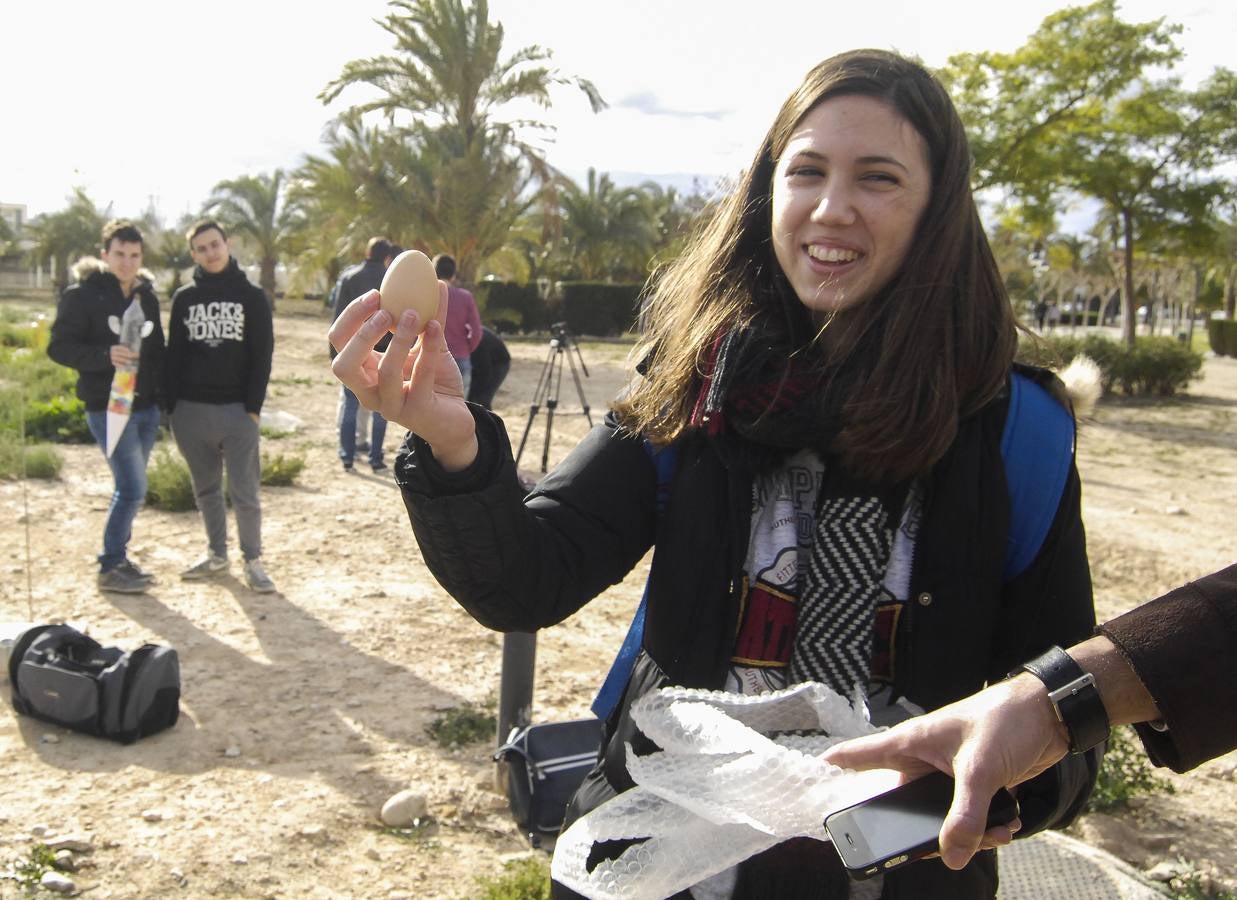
point(166, 249)
point(252, 206)
point(608, 231)
point(62, 236)
point(444, 93)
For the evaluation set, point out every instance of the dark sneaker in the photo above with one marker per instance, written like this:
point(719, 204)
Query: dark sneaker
point(119, 581)
point(129, 567)
point(347, 467)
point(208, 567)
point(256, 577)
point(379, 467)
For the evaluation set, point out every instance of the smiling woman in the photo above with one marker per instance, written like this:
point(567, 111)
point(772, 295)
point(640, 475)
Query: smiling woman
point(828, 367)
point(847, 196)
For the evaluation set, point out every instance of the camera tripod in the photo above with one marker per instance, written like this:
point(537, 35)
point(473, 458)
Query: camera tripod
point(549, 384)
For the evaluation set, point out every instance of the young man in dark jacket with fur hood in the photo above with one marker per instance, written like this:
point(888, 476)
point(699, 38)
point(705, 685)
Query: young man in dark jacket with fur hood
point(85, 337)
point(220, 343)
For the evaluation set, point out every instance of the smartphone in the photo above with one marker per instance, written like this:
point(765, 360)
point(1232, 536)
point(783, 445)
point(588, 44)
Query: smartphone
point(902, 825)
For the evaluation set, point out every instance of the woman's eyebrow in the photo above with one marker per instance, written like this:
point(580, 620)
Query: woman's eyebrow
point(862, 160)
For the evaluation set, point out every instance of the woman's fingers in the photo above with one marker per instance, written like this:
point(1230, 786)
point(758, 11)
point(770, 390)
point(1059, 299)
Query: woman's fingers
point(425, 367)
point(441, 315)
point(392, 397)
point(354, 364)
point(351, 319)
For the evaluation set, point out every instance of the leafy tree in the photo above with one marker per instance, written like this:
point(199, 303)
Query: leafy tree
point(1014, 104)
point(445, 93)
point(66, 235)
point(252, 206)
point(166, 248)
point(1151, 157)
point(1073, 111)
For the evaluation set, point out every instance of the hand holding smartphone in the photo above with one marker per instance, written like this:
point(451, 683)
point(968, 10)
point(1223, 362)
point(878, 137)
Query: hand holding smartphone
point(902, 825)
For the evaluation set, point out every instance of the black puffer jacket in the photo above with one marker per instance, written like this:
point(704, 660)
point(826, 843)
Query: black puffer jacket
point(82, 335)
point(520, 564)
point(355, 281)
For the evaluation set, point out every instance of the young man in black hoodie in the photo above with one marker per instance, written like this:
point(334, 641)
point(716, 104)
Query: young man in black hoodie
point(220, 342)
point(85, 337)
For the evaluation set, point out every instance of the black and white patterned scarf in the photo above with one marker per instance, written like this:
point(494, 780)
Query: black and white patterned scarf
point(840, 589)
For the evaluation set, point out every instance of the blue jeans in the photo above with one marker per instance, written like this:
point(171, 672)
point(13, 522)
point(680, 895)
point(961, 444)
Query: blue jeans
point(128, 464)
point(465, 366)
point(347, 432)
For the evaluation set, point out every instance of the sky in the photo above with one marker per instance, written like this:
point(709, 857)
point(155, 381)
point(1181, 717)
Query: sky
point(147, 102)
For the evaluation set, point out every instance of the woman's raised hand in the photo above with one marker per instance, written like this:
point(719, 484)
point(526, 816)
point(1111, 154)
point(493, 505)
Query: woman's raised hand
point(415, 382)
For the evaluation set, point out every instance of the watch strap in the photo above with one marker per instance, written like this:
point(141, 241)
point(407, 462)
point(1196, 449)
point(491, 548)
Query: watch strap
point(1074, 697)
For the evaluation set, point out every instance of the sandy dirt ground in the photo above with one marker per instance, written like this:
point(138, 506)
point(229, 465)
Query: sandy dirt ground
point(304, 710)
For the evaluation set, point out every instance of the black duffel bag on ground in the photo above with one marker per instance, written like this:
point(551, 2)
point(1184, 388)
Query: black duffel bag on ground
point(545, 766)
point(62, 676)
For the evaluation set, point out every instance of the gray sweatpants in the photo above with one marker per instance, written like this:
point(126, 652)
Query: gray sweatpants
point(210, 435)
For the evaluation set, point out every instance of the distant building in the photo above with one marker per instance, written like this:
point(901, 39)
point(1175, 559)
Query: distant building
point(15, 271)
point(14, 215)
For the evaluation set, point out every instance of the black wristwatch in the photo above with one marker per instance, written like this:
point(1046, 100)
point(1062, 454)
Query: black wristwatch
point(1074, 697)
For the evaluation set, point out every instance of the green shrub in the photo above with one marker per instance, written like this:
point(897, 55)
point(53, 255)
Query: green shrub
point(41, 461)
point(1222, 334)
point(61, 419)
point(1154, 366)
point(507, 306)
point(466, 724)
point(596, 308)
point(168, 485)
point(35, 389)
point(527, 878)
point(280, 470)
point(1125, 773)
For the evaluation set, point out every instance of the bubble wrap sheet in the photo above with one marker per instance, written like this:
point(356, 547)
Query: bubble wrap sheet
point(725, 786)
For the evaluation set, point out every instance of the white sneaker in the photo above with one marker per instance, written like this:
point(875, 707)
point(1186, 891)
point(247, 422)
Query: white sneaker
point(256, 577)
point(209, 567)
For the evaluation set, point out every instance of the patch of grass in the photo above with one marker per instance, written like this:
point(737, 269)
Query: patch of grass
point(527, 878)
point(22, 328)
point(30, 870)
point(41, 461)
point(1194, 885)
point(421, 832)
point(275, 434)
point(1125, 773)
point(466, 724)
point(295, 379)
point(280, 470)
point(168, 485)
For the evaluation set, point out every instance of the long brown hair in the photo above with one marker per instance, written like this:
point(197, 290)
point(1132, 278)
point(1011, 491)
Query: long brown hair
point(934, 346)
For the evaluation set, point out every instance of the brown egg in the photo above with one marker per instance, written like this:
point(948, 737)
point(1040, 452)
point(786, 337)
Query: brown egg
point(410, 283)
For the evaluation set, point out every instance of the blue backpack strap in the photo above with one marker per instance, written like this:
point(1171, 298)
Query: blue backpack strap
point(1037, 447)
point(665, 460)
